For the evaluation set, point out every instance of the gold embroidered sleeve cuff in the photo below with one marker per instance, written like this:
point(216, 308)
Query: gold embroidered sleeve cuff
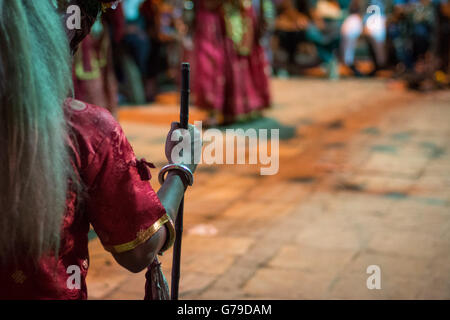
point(143, 235)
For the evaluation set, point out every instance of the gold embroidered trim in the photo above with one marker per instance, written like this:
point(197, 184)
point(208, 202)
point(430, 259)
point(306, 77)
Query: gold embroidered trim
point(143, 235)
point(19, 277)
point(170, 241)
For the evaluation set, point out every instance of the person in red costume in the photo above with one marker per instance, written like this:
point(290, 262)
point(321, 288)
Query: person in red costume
point(94, 79)
point(67, 165)
point(231, 70)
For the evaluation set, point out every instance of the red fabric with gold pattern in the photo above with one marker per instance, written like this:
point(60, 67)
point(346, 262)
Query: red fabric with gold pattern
point(118, 201)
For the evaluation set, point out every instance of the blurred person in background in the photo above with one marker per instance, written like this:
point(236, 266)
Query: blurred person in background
point(290, 27)
point(94, 76)
point(317, 22)
point(410, 27)
point(133, 58)
point(231, 70)
point(266, 13)
point(413, 30)
point(367, 19)
point(165, 29)
point(443, 42)
point(327, 16)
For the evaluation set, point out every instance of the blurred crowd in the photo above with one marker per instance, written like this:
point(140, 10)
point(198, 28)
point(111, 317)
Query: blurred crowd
point(133, 53)
point(410, 37)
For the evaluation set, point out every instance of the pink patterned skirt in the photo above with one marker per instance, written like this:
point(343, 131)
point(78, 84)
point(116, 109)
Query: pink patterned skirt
point(224, 80)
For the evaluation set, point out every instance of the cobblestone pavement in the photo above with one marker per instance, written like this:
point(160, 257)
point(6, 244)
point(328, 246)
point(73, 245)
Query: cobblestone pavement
point(365, 181)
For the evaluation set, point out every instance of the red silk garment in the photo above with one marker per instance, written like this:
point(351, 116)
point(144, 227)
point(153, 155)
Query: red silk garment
point(117, 200)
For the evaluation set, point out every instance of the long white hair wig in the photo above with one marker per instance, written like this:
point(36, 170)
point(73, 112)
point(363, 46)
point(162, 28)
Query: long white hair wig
point(35, 78)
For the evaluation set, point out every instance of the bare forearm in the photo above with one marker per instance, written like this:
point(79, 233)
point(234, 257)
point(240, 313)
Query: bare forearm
point(170, 195)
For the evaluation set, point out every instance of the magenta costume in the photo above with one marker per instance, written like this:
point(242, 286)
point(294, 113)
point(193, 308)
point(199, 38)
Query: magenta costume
point(118, 201)
point(230, 67)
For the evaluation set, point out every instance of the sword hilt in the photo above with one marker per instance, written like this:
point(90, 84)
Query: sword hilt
point(185, 91)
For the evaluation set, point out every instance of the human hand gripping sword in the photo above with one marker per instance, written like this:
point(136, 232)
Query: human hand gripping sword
point(156, 287)
point(184, 119)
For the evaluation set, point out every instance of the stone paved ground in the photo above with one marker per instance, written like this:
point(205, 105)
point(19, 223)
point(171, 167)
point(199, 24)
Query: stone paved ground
point(366, 181)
